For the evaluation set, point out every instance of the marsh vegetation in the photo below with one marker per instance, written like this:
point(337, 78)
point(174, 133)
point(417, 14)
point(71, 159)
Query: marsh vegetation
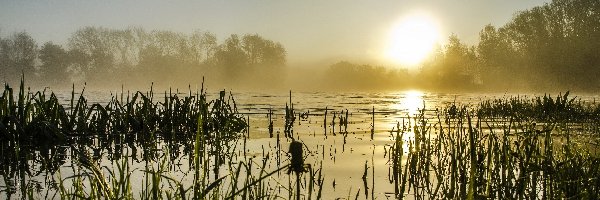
point(148, 145)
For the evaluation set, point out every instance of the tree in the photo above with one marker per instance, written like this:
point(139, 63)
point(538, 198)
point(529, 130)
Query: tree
point(558, 43)
point(231, 58)
point(17, 56)
point(54, 65)
point(453, 67)
point(99, 55)
point(265, 58)
point(204, 45)
point(78, 62)
point(264, 52)
point(95, 43)
point(496, 58)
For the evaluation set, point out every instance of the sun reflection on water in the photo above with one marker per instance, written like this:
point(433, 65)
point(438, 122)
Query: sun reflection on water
point(411, 102)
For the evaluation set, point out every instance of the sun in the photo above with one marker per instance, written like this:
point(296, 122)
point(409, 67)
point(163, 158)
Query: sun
point(412, 39)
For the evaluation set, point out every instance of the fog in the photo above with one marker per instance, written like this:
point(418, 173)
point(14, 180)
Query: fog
point(548, 48)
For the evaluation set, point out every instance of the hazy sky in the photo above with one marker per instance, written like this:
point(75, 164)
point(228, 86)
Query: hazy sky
point(311, 31)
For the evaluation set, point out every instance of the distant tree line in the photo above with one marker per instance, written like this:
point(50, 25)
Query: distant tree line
point(345, 75)
point(551, 47)
point(554, 46)
point(102, 55)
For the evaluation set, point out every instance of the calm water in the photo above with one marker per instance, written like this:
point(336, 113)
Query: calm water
point(342, 157)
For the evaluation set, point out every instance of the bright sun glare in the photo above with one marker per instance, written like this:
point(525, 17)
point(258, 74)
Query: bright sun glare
point(412, 39)
point(412, 102)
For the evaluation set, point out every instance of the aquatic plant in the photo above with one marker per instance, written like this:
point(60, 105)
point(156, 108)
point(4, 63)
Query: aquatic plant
point(469, 158)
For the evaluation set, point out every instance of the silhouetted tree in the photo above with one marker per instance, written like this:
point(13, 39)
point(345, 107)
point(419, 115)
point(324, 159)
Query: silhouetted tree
point(204, 45)
point(95, 43)
point(78, 64)
point(497, 59)
point(231, 58)
point(265, 58)
point(549, 46)
point(102, 55)
point(17, 56)
point(158, 65)
point(54, 64)
point(453, 67)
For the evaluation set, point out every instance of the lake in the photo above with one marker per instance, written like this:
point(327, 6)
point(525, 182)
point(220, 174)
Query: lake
point(347, 136)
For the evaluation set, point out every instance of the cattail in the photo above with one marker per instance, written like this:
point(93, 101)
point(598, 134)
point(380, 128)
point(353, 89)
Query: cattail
point(297, 164)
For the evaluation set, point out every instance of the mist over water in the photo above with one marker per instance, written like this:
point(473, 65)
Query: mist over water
point(197, 104)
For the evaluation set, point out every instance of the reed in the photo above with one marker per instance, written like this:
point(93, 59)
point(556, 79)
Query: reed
point(473, 159)
point(187, 128)
point(510, 148)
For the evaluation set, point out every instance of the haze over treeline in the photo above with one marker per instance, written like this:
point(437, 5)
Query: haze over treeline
point(545, 48)
point(101, 56)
